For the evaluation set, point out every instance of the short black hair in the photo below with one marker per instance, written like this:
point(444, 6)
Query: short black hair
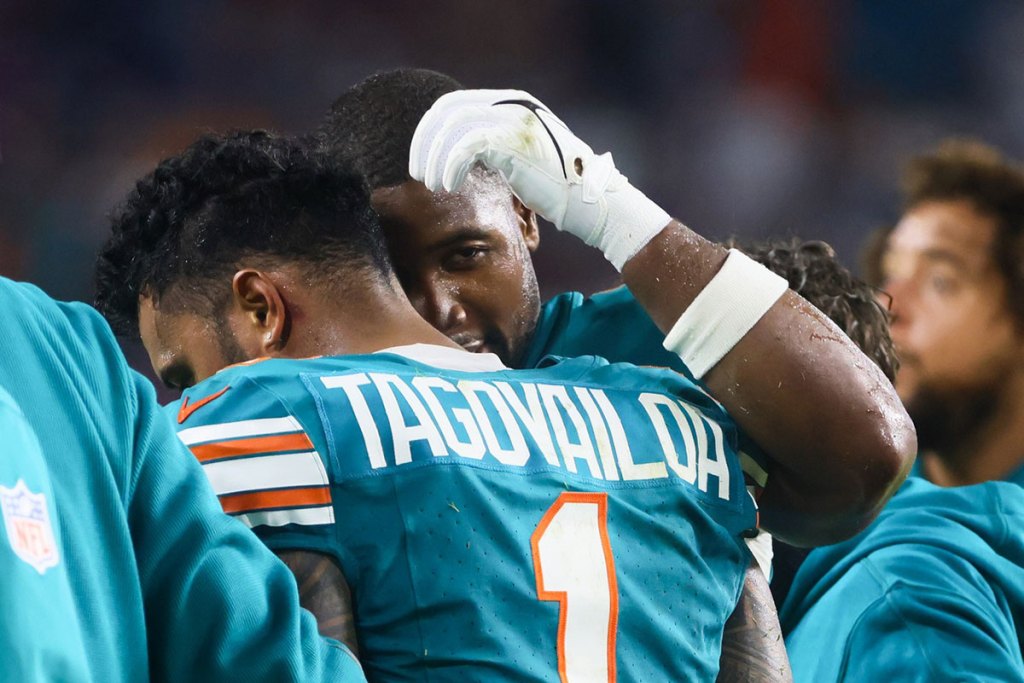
point(249, 194)
point(814, 272)
point(372, 122)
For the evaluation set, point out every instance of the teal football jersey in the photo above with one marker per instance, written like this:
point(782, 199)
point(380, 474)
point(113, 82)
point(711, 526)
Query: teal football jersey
point(580, 519)
point(932, 591)
point(610, 324)
point(38, 623)
point(147, 573)
point(613, 325)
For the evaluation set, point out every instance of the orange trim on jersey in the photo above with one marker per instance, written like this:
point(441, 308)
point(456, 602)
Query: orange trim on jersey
point(256, 445)
point(601, 500)
point(280, 498)
point(254, 361)
point(187, 408)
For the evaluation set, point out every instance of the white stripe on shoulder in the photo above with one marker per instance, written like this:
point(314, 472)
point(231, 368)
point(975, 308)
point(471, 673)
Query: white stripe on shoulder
point(756, 472)
point(235, 430)
point(323, 514)
point(266, 472)
point(448, 358)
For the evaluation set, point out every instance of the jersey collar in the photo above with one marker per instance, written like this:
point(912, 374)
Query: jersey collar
point(447, 358)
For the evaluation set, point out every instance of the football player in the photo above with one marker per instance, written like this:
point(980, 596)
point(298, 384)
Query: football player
point(464, 259)
point(799, 389)
point(580, 519)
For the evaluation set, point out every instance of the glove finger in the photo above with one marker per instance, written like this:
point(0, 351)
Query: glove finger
point(435, 118)
point(460, 123)
point(482, 97)
point(441, 151)
point(477, 146)
point(423, 137)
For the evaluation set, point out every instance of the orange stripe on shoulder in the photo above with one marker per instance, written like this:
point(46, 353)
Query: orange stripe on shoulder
point(252, 361)
point(281, 498)
point(255, 361)
point(274, 443)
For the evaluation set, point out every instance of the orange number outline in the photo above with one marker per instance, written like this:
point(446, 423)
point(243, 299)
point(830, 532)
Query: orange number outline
point(562, 597)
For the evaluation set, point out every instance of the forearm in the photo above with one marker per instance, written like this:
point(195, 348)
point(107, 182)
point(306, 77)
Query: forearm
point(244, 620)
point(324, 591)
point(835, 429)
point(752, 644)
point(839, 439)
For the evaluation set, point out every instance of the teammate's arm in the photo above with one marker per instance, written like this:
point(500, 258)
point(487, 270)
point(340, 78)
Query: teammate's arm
point(324, 591)
point(752, 644)
point(219, 603)
point(839, 438)
point(837, 434)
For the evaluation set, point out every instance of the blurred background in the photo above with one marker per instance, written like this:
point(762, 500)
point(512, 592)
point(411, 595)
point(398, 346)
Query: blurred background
point(740, 117)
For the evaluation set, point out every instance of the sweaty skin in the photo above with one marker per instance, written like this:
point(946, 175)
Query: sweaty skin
point(838, 436)
point(415, 220)
point(464, 261)
point(458, 258)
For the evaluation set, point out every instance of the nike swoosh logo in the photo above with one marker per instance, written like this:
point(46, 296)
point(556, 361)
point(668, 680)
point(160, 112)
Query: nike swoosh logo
point(188, 408)
point(532, 106)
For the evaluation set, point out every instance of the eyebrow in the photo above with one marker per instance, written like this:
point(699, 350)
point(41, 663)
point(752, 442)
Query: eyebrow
point(931, 254)
point(461, 234)
point(944, 256)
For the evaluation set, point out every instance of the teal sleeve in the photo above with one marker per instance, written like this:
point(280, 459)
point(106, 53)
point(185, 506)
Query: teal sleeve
point(39, 633)
point(246, 478)
point(933, 634)
point(219, 604)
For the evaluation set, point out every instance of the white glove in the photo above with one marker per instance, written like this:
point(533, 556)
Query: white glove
point(551, 170)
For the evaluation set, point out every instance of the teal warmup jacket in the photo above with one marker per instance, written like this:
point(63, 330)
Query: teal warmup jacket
point(932, 591)
point(116, 561)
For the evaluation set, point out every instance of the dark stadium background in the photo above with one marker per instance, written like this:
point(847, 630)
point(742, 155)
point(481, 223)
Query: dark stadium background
point(743, 117)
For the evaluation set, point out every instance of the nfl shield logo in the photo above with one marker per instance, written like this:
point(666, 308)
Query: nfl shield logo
point(27, 521)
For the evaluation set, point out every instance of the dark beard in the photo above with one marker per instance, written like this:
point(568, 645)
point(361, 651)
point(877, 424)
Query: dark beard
point(230, 348)
point(947, 421)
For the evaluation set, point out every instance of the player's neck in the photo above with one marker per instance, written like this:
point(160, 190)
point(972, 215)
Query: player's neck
point(359, 323)
point(993, 451)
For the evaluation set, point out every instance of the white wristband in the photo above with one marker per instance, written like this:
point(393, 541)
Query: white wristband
point(633, 221)
point(736, 298)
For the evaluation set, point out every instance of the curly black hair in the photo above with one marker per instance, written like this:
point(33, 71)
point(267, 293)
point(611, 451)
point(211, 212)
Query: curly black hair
point(814, 272)
point(249, 194)
point(372, 123)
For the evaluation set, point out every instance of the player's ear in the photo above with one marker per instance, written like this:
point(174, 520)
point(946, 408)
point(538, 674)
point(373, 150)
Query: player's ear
point(527, 224)
point(263, 310)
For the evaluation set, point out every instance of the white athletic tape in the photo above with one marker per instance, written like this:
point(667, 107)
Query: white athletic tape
point(736, 298)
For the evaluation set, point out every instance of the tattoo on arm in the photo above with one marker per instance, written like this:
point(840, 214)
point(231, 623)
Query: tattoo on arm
point(752, 644)
point(324, 591)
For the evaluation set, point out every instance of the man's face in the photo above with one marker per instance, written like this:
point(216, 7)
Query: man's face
point(953, 331)
point(186, 348)
point(464, 261)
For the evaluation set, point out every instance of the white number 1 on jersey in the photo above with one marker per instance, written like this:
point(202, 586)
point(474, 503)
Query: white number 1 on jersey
point(572, 561)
